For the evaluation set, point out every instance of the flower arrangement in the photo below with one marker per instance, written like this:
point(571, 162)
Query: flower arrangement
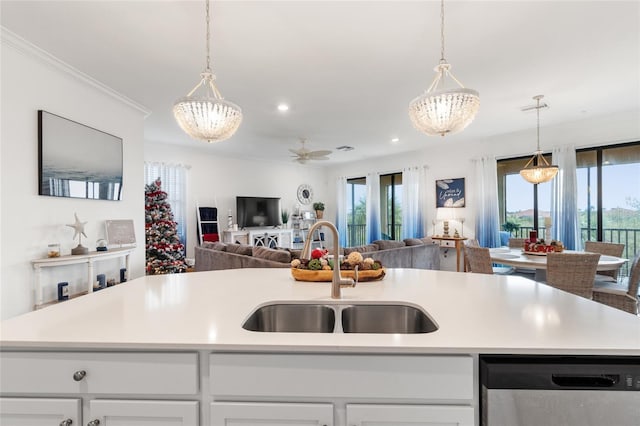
point(539, 246)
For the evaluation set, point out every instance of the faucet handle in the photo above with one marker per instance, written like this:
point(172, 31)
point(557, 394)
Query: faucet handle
point(350, 282)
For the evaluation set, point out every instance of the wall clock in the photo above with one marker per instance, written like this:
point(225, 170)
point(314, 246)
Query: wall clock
point(305, 194)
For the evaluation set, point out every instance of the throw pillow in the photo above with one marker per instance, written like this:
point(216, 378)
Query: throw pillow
point(361, 249)
point(282, 256)
point(388, 244)
point(215, 245)
point(240, 249)
point(413, 241)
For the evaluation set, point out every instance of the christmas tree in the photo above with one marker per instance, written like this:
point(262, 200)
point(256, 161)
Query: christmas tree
point(165, 252)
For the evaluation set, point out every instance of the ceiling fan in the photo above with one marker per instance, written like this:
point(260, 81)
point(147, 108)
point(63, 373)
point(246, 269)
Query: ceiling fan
point(303, 155)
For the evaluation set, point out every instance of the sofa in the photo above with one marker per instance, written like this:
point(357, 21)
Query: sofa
point(410, 253)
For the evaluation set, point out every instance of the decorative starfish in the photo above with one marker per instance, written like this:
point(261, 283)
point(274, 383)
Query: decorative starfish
point(79, 228)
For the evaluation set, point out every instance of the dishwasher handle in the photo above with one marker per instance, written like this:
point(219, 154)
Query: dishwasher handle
point(585, 381)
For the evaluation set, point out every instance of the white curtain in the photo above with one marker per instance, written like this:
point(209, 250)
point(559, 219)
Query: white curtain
point(486, 202)
point(174, 183)
point(413, 180)
point(341, 209)
point(564, 199)
point(373, 207)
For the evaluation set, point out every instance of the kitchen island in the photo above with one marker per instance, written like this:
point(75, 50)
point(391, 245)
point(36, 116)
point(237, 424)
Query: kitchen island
point(174, 346)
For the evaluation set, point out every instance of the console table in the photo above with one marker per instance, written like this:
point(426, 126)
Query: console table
point(88, 259)
point(451, 242)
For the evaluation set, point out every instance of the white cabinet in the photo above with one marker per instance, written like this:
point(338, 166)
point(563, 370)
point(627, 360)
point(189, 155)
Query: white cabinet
point(408, 415)
point(40, 411)
point(364, 390)
point(270, 414)
point(142, 413)
point(118, 388)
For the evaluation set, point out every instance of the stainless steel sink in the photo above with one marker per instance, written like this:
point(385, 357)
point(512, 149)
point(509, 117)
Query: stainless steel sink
point(340, 318)
point(378, 318)
point(292, 318)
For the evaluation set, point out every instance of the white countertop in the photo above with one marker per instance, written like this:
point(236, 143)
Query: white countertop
point(205, 310)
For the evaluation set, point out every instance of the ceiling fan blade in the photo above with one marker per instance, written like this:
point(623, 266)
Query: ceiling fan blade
point(295, 151)
point(319, 153)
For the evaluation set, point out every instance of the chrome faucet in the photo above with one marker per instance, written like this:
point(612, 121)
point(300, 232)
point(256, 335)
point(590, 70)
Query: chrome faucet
point(337, 281)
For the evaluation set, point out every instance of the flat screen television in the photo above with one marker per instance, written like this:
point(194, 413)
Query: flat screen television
point(257, 211)
point(76, 160)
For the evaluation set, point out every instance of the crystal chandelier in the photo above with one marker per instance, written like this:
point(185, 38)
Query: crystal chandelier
point(538, 170)
point(443, 110)
point(208, 117)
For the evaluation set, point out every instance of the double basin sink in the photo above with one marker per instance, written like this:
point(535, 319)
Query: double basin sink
point(365, 317)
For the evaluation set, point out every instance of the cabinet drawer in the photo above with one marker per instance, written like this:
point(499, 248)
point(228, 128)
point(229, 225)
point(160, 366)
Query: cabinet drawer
point(105, 372)
point(39, 411)
point(447, 243)
point(406, 377)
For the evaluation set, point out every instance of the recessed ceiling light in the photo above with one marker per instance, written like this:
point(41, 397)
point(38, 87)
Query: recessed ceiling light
point(394, 140)
point(283, 107)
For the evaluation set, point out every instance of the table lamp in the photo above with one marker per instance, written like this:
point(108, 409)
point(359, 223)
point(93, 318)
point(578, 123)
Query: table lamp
point(445, 214)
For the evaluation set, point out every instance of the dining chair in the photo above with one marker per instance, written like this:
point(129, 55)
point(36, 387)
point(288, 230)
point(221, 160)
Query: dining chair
point(471, 242)
point(608, 249)
point(572, 272)
point(622, 298)
point(479, 259)
point(518, 243)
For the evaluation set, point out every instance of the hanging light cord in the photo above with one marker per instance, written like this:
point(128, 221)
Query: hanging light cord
point(207, 76)
point(538, 131)
point(442, 59)
point(208, 69)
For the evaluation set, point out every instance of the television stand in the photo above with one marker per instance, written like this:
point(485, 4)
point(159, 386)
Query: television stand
point(265, 237)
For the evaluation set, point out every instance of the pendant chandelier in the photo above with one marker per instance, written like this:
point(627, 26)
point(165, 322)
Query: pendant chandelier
point(442, 110)
point(538, 170)
point(208, 117)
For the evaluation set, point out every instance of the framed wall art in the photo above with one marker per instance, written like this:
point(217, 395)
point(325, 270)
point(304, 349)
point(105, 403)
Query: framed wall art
point(77, 161)
point(450, 193)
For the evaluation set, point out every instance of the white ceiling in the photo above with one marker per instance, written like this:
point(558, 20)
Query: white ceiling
point(348, 69)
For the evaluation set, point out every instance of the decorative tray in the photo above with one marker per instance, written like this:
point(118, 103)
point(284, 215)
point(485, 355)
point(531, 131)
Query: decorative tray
point(535, 253)
point(326, 276)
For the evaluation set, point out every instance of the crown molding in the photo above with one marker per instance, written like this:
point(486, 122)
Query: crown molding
point(18, 43)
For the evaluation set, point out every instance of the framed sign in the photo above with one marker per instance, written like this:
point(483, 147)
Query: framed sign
point(450, 192)
point(120, 232)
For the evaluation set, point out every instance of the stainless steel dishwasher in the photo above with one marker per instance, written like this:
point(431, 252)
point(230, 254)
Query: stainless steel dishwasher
point(559, 391)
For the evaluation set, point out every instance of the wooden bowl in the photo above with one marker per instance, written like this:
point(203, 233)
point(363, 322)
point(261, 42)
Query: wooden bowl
point(326, 276)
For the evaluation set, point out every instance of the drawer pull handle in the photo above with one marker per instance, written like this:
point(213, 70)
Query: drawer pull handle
point(79, 375)
point(95, 422)
point(66, 422)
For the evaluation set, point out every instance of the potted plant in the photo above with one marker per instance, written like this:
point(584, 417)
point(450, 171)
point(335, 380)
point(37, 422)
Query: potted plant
point(510, 227)
point(284, 215)
point(319, 208)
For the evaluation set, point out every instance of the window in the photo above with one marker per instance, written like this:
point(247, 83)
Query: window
point(609, 195)
point(391, 206)
point(356, 211)
point(520, 202)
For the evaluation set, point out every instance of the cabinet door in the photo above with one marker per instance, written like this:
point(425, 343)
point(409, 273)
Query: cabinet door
point(110, 412)
point(39, 411)
point(270, 414)
point(408, 415)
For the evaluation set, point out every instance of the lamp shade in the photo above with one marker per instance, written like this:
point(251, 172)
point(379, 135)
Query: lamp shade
point(207, 118)
point(444, 111)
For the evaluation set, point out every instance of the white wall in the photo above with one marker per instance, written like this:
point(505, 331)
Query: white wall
point(216, 181)
point(449, 159)
point(31, 80)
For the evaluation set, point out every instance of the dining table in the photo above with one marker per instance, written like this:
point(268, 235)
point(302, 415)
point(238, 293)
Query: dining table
point(518, 258)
